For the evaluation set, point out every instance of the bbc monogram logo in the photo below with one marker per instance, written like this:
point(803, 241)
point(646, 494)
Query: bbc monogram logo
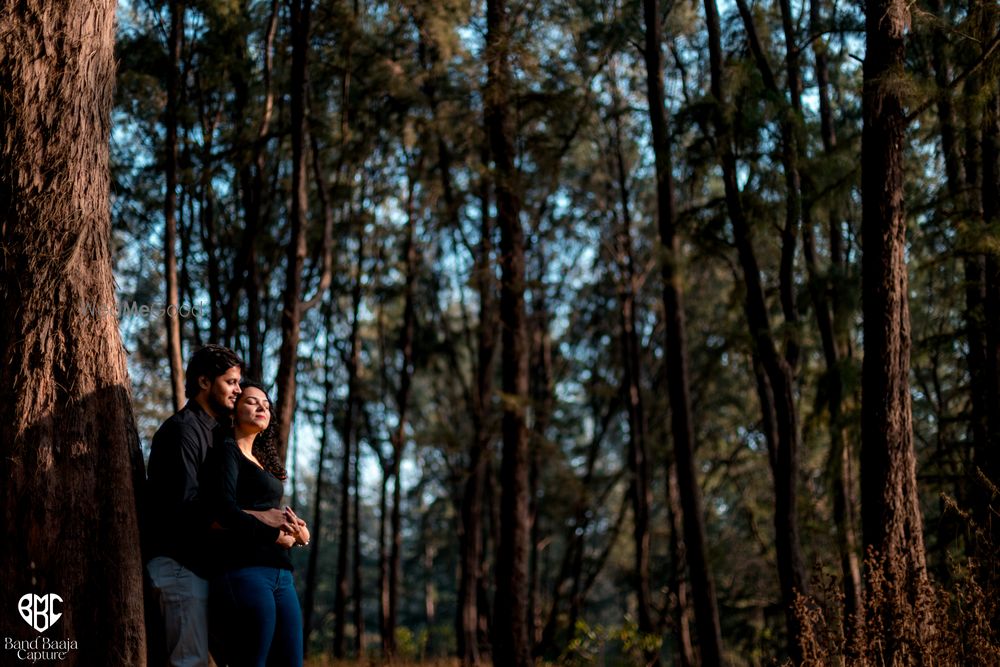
point(39, 611)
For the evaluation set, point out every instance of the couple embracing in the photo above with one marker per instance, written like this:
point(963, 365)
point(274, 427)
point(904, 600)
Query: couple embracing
point(215, 537)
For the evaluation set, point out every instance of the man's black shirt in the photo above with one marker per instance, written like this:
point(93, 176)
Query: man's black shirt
point(176, 522)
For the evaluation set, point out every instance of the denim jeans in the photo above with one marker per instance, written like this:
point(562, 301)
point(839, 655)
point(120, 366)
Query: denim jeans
point(182, 598)
point(259, 615)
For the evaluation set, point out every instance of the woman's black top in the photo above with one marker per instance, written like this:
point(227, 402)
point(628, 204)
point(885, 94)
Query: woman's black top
point(232, 483)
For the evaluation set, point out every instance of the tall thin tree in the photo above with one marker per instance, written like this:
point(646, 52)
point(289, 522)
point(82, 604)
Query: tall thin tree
point(511, 640)
point(173, 323)
point(678, 381)
point(291, 313)
point(774, 371)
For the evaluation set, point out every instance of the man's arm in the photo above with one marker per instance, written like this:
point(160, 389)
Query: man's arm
point(221, 472)
point(275, 518)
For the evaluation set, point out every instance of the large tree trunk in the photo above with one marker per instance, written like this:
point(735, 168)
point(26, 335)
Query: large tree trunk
point(511, 643)
point(173, 324)
point(69, 453)
point(891, 519)
point(291, 313)
point(678, 381)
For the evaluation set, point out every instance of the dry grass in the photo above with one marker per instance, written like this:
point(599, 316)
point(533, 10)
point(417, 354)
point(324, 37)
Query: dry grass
point(958, 626)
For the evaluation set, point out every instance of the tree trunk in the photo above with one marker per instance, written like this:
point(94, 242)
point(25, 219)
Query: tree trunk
point(309, 596)
point(984, 284)
point(511, 643)
point(640, 491)
point(206, 220)
point(383, 553)
point(470, 528)
point(246, 274)
point(295, 258)
point(776, 383)
point(987, 457)
point(542, 402)
point(572, 564)
point(348, 437)
point(360, 648)
point(402, 403)
point(471, 531)
point(678, 580)
point(891, 519)
point(69, 452)
point(825, 306)
point(678, 381)
point(170, 205)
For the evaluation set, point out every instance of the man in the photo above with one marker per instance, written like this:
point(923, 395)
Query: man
point(175, 524)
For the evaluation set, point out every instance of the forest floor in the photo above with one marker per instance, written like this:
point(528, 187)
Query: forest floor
point(326, 661)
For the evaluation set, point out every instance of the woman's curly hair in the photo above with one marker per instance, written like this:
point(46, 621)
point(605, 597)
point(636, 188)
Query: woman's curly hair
point(265, 446)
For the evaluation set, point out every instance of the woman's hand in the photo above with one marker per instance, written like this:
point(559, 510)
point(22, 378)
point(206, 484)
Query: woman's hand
point(285, 540)
point(301, 531)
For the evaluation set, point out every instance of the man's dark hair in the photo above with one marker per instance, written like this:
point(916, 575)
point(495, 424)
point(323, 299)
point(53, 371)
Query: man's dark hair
point(210, 361)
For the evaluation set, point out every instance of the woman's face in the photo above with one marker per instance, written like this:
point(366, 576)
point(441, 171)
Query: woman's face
point(253, 411)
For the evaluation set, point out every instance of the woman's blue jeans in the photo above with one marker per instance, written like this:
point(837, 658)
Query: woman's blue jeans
point(258, 612)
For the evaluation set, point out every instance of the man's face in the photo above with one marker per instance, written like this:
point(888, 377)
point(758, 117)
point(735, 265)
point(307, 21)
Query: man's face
point(223, 390)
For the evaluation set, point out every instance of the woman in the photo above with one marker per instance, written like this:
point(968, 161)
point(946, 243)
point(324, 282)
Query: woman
point(253, 603)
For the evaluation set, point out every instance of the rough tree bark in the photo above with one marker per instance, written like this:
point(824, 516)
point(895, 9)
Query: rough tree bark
point(891, 519)
point(70, 455)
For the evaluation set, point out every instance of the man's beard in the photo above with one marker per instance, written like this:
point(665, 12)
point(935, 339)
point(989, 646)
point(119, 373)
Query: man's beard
point(219, 408)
